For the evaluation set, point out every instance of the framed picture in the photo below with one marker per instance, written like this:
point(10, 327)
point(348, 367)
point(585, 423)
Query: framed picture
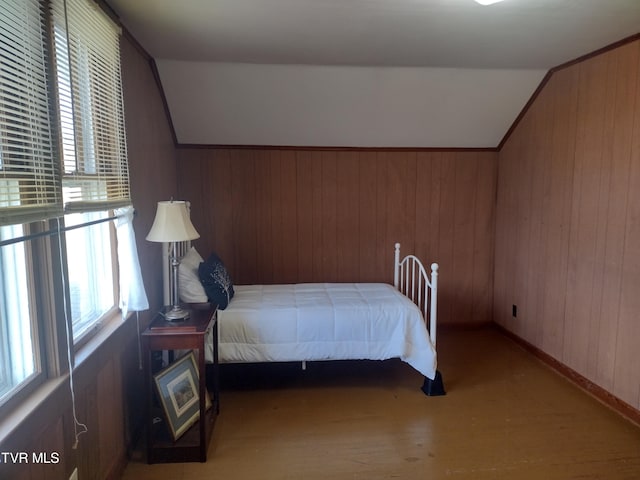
point(177, 387)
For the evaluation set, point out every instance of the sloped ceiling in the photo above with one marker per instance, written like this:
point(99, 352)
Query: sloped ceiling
point(398, 73)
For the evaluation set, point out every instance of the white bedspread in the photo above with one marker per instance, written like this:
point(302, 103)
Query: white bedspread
point(324, 321)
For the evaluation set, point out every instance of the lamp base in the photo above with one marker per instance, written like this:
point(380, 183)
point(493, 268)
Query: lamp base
point(176, 314)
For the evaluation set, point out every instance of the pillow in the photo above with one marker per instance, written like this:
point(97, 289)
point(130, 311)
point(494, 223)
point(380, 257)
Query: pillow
point(216, 281)
point(190, 289)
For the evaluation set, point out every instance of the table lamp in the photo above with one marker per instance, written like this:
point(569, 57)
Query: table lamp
point(171, 225)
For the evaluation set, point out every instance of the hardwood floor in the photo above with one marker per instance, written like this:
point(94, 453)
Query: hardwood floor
point(505, 416)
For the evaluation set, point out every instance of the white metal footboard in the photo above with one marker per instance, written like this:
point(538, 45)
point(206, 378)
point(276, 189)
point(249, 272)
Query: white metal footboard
point(411, 279)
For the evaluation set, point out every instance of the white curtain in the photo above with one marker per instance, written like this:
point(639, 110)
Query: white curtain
point(133, 297)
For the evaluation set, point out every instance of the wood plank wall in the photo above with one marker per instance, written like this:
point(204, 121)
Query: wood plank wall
point(315, 215)
point(103, 396)
point(568, 222)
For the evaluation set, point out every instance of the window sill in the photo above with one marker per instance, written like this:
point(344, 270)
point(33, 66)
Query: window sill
point(18, 416)
point(12, 421)
point(110, 325)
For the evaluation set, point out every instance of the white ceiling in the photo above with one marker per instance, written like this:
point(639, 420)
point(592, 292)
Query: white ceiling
point(528, 35)
point(432, 33)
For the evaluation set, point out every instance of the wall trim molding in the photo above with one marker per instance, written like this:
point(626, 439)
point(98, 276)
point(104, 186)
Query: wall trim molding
point(156, 76)
point(555, 69)
point(595, 53)
point(187, 146)
point(607, 398)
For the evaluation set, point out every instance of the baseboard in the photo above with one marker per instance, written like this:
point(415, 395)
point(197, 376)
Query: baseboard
point(623, 408)
point(118, 467)
point(464, 326)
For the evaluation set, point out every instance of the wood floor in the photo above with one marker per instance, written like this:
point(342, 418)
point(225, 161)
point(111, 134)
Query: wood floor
point(505, 416)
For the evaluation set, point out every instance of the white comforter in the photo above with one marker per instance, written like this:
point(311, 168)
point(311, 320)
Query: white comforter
point(324, 321)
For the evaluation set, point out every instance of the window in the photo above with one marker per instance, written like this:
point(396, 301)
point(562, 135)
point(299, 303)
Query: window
point(18, 333)
point(90, 262)
point(62, 156)
point(28, 187)
point(94, 163)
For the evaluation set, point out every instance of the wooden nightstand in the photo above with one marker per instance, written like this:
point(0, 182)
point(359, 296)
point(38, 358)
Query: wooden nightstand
point(187, 335)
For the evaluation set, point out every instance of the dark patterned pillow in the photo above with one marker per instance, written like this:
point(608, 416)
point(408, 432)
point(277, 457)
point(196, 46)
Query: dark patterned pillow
point(216, 281)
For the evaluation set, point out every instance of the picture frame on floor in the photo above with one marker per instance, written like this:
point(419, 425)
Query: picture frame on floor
point(177, 389)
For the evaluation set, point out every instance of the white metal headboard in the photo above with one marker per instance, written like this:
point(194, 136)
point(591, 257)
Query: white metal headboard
point(411, 279)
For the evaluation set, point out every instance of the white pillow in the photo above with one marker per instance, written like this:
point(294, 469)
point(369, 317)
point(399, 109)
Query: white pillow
point(190, 289)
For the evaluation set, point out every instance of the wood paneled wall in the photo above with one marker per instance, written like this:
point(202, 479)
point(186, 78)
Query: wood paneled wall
point(568, 222)
point(102, 405)
point(304, 215)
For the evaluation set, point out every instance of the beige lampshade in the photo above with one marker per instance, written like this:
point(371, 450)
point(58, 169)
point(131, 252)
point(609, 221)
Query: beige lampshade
point(172, 223)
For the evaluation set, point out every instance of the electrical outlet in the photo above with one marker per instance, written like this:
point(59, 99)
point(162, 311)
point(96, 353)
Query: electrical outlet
point(74, 474)
point(514, 311)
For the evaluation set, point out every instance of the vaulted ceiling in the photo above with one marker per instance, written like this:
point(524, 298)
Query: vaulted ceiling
point(412, 73)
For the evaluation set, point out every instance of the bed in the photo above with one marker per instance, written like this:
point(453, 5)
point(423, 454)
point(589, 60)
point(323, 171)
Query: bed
point(322, 321)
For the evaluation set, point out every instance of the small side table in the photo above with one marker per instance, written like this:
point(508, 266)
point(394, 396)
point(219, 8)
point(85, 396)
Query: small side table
point(189, 334)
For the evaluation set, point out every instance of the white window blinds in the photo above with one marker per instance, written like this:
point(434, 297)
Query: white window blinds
point(61, 150)
point(29, 186)
point(87, 50)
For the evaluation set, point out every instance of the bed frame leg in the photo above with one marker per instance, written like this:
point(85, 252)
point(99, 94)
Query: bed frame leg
point(434, 387)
